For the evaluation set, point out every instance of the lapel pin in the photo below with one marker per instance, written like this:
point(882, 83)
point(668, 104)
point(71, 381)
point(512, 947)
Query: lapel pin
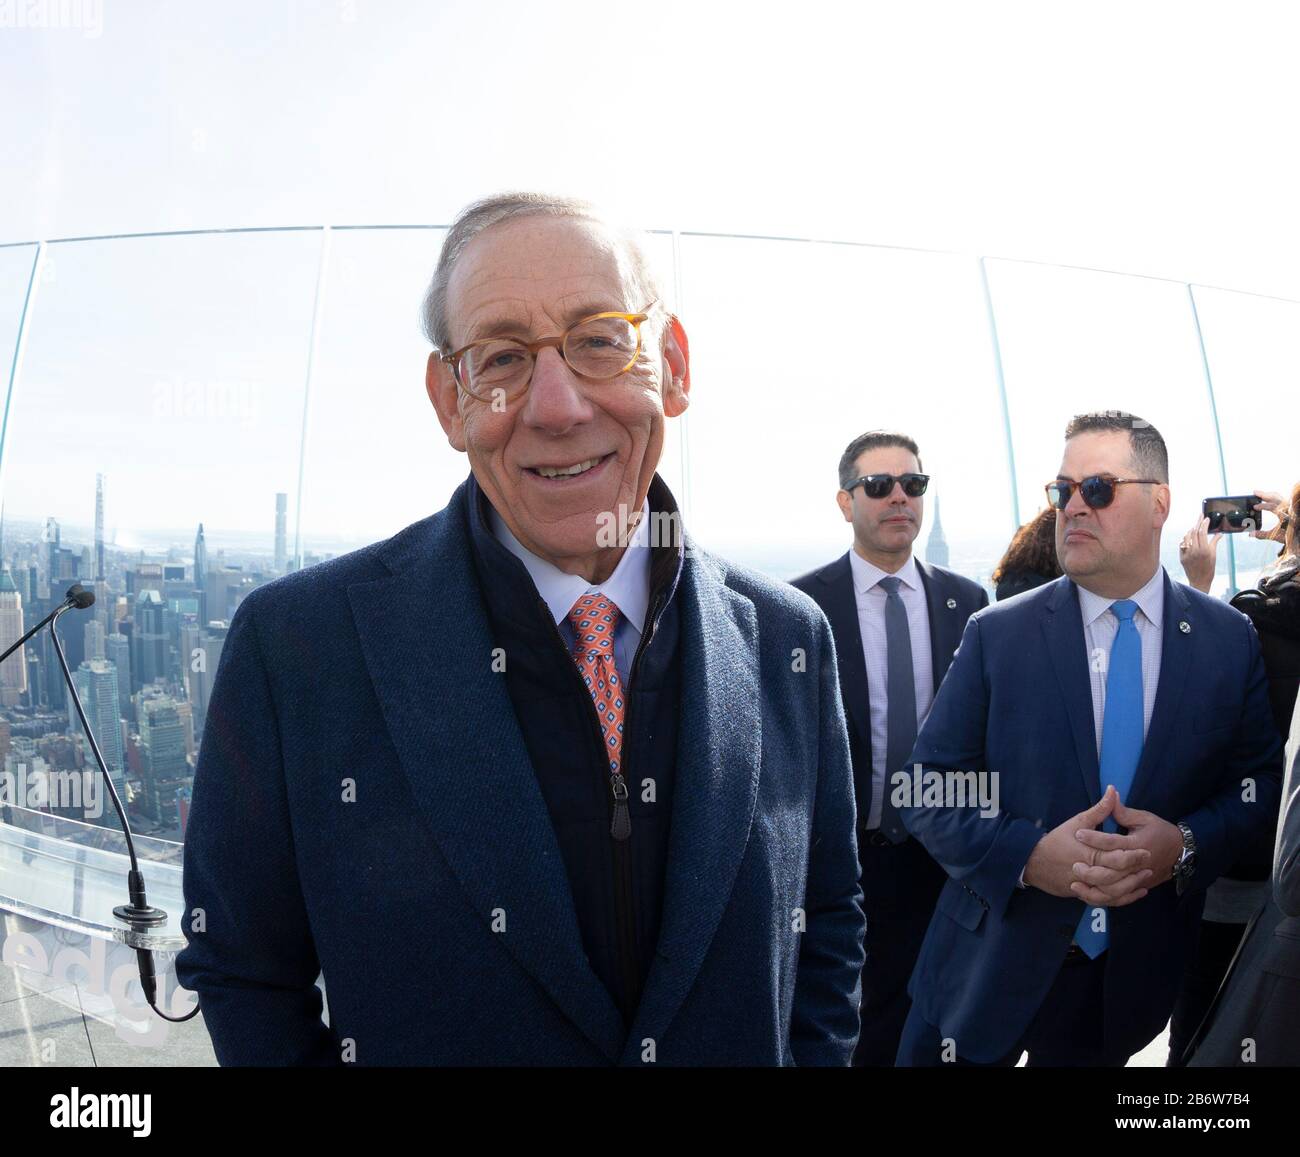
point(952, 603)
point(1185, 627)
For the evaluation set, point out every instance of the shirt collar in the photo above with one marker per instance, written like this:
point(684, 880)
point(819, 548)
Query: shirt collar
point(628, 588)
point(866, 574)
point(1150, 600)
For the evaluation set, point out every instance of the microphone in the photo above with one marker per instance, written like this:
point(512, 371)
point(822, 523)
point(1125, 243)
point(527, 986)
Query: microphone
point(138, 914)
point(77, 598)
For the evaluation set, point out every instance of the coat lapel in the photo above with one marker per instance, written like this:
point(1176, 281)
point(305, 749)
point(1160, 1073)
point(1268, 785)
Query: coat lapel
point(1176, 647)
point(718, 760)
point(944, 621)
point(1063, 629)
point(425, 636)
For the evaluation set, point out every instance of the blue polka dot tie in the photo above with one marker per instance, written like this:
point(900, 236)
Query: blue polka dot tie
point(594, 620)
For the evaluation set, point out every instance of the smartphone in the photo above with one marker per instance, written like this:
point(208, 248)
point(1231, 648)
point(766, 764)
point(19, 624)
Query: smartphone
point(1234, 513)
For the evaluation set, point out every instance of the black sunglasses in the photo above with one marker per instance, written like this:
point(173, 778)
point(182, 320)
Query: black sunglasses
point(882, 485)
point(1097, 490)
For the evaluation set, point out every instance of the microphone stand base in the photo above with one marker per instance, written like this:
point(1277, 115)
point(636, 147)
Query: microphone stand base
point(143, 917)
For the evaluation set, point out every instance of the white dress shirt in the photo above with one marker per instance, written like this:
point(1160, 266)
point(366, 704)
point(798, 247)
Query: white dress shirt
point(628, 588)
point(871, 597)
point(1099, 630)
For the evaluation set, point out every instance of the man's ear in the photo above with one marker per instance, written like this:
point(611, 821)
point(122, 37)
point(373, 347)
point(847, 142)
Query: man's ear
point(845, 500)
point(1162, 504)
point(440, 384)
point(677, 353)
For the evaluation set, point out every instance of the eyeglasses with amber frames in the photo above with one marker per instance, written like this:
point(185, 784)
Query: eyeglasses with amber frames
point(1097, 490)
point(599, 348)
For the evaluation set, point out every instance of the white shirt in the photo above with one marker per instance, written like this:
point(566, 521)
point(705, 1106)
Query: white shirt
point(628, 588)
point(871, 597)
point(1099, 628)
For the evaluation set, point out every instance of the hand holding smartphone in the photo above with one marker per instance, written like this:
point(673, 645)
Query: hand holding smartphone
point(1233, 514)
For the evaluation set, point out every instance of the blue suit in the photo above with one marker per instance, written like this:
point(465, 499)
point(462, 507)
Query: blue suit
point(365, 807)
point(1017, 701)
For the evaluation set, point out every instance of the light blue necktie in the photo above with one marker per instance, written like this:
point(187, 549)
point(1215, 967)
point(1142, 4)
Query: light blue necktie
point(900, 696)
point(1121, 738)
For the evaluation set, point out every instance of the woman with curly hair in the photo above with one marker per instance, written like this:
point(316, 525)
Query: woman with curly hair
point(1030, 560)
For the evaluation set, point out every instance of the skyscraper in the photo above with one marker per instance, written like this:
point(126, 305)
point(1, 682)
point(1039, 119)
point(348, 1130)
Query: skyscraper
point(13, 671)
point(96, 683)
point(95, 637)
point(52, 541)
point(200, 557)
point(165, 768)
point(99, 528)
point(281, 548)
point(201, 574)
point(117, 647)
point(936, 550)
point(203, 669)
point(149, 639)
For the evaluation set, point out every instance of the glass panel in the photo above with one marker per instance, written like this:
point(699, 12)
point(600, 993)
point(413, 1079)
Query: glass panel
point(1075, 341)
point(1253, 347)
point(59, 871)
point(797, 349)
point(672, 462)
point(376, 457)
point(175, 367)
point(15, 273)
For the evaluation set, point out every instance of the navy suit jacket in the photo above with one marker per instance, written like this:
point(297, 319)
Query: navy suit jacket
point(1017, 701)
point(364, 807)
point(950, 598)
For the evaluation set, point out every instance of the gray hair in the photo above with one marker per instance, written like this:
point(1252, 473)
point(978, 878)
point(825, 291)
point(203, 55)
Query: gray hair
point(481, 215)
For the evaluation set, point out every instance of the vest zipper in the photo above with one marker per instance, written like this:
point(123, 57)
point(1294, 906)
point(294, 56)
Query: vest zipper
point(620, 825)
point(621, 829)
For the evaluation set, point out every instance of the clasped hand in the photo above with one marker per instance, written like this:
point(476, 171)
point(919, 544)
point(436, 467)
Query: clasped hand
point(1105, 869)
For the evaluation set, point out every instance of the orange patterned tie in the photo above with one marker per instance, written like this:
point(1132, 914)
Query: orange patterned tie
point(594, 619)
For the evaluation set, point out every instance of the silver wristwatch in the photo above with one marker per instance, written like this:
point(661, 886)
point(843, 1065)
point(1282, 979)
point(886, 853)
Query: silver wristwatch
point(1186, 863)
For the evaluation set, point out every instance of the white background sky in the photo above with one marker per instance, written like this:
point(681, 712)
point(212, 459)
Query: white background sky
point(1146, 137)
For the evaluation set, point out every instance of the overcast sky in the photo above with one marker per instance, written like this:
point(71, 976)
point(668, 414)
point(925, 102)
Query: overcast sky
point(1147, 136)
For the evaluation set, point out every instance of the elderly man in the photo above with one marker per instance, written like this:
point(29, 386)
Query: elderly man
point(536, 780)
point(1111, 698)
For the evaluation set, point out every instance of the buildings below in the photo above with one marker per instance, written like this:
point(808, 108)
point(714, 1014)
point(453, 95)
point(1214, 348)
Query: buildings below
point(142, 658)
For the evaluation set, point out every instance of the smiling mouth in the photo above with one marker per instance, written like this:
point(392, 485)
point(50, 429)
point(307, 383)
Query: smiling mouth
point(574, 470)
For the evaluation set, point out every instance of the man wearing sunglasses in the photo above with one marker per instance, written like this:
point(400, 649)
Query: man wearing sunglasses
point(559, 795)
point(897, 622)
point(1126, 719)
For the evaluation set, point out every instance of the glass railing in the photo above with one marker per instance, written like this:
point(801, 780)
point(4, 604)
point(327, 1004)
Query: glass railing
point(70, 874)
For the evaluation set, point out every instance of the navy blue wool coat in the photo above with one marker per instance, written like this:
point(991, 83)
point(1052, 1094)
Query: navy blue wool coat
point(364, 809)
